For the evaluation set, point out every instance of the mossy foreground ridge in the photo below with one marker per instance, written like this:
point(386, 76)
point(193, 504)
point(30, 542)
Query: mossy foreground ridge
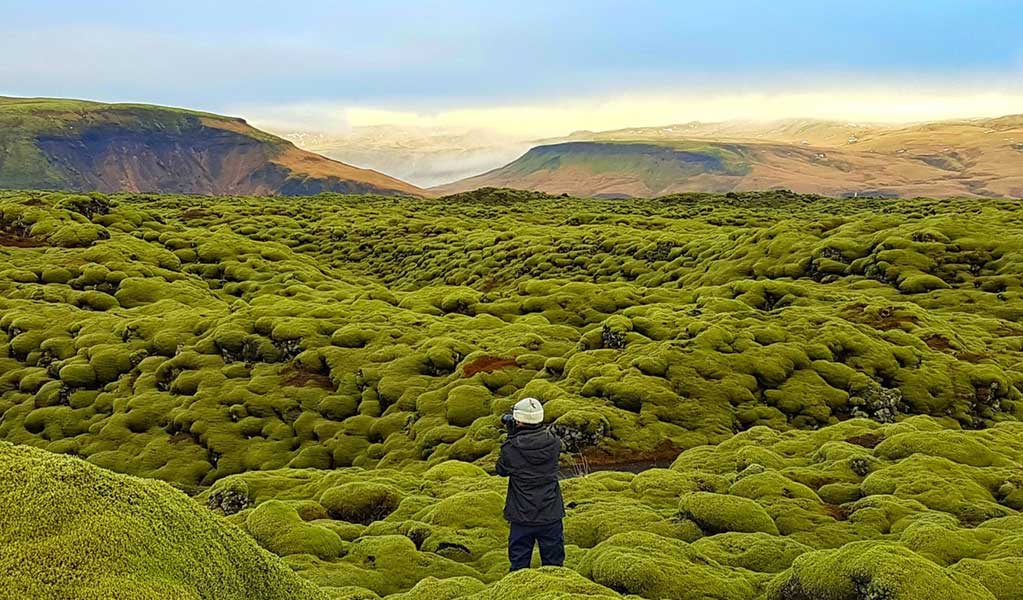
point(835, 385)
point(69, 529)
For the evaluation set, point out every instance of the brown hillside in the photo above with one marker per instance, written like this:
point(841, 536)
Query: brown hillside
point(981, 157)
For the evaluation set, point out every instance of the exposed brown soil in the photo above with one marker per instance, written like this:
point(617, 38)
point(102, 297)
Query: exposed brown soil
point(839, 513)
point(487, 364)
point(624, 460)
point(489, 284)
point(886, 319)
point(893, 321)
point(14, 241)
point(937, 342)
point(299, 378)
point(972, 357)
point(178, 438)
point(1008, 330)
point(867, 440)
point(195, 213)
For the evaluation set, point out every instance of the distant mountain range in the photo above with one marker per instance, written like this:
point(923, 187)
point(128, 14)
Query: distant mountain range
point(425, 156)
point(89, 146)
point(975, 157)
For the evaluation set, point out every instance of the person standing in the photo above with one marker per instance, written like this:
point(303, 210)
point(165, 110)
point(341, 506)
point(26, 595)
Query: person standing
point(534, 508)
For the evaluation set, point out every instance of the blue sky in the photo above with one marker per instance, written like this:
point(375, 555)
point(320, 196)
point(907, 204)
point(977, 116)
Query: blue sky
point(426, 58)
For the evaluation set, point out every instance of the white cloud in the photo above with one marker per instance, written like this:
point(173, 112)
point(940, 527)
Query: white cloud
point(550, 119)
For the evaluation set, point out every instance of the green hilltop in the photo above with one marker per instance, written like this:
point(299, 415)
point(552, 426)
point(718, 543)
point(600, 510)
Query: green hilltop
point(24, 120)
point(657, 164)
point(765, 395)
point(63, 144)
point(639, 166)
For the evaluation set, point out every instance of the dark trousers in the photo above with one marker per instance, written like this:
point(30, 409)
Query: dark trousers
point(551, 538)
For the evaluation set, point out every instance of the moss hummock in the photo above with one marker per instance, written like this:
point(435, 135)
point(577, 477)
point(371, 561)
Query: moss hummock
point(72, 530)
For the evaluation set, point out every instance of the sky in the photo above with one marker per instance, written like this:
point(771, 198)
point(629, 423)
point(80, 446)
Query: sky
point(525, 67)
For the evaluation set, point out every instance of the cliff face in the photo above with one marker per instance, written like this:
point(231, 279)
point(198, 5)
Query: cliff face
point(204, 161)
point(136, 148)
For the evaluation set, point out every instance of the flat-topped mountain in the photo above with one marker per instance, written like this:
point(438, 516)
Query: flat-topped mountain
point(974, 157)
point(89, 146)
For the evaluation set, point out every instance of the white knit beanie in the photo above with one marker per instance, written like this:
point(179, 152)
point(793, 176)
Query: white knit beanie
point(529, 411)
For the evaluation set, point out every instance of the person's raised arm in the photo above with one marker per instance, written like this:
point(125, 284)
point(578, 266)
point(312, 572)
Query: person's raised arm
point(502, 466)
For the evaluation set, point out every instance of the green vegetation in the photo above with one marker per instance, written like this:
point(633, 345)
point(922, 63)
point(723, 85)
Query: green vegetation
point(837, 382)
point(71, 530)
point(656, 166)
point(188, 339)
point(766, 514)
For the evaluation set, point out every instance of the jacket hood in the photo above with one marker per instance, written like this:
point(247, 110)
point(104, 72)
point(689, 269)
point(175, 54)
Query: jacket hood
point(536, 445)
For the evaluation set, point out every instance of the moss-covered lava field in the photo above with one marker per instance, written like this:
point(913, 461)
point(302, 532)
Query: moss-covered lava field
point(763, 396)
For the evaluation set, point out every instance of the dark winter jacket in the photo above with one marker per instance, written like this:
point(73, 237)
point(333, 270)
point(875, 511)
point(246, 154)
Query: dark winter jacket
point(529, 458)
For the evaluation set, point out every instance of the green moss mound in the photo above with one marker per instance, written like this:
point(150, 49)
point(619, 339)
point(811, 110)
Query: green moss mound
point(280, 529)
point(655, 567)
point(361, 502)
point(548, 583)
point(451, 588)
point(717, 513)
point(866, 570)
point(71, 530)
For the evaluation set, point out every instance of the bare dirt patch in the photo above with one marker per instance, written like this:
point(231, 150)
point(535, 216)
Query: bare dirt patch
point(299, 378)
point(886, 318)
point(14, 241)
point(195, 212)
point(973, 357)
point(937, 342)
point(839, 513)
point(634, 462)
point(867, 440)
point(487, 364)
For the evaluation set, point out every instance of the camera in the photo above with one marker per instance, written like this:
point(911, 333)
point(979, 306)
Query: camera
point(508, 421)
